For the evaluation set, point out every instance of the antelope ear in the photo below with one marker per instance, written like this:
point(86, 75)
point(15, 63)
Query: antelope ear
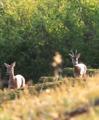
point(6, 65)
point(78, 55)
point(13, 64)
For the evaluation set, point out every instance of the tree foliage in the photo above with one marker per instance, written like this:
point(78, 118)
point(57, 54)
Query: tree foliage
point(32, 30)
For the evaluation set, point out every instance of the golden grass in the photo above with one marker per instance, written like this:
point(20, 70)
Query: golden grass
point(52, 103)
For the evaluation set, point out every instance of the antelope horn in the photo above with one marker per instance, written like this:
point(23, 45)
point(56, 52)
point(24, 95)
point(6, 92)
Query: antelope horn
point(76, 52)
point(72, 53)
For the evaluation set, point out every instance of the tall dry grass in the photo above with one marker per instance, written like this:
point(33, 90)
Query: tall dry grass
point(53, 103)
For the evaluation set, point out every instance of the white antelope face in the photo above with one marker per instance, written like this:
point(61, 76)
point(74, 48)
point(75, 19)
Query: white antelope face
point(10, 68)
point(74, 56)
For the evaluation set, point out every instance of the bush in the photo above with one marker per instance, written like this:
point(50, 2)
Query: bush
point(31, 32)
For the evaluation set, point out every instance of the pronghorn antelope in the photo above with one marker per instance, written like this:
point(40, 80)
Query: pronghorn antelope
point(15, 81)
point(80, 69)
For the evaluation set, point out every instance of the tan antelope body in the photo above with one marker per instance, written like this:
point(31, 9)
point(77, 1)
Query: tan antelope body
point(15, 81)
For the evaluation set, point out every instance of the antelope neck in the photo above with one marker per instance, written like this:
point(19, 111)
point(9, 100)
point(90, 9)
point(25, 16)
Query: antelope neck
point(11, 75)
point(75, 64)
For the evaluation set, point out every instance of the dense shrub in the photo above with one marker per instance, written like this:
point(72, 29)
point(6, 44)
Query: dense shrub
point(31, 31)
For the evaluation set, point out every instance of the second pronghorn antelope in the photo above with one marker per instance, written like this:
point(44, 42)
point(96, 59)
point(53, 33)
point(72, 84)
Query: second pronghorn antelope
point(80, 69)
point(15, 81)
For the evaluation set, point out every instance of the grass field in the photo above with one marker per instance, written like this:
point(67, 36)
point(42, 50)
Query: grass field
point(60, 102)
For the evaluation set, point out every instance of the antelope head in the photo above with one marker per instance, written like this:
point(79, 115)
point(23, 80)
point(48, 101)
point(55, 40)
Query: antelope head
point(74, 56)
point(10, 68)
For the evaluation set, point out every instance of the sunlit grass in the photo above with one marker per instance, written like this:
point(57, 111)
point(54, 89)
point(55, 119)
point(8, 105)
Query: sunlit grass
point(52, 103)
